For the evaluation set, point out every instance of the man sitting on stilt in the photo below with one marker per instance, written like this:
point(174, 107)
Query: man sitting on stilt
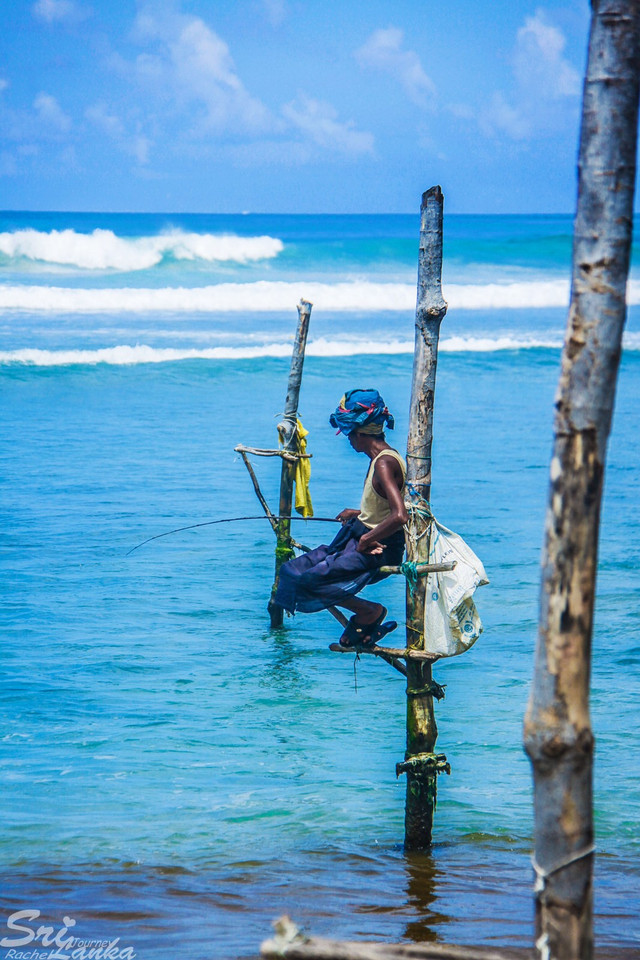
point(371, 537)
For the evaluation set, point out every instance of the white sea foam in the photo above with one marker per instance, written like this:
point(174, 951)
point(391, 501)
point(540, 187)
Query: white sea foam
point(518, 295)
point(123, 354)
point(268, 296)
point(259, 297)
point(104, 250)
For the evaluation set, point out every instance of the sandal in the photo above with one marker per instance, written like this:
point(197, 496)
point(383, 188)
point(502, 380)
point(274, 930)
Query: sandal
point(364, 634)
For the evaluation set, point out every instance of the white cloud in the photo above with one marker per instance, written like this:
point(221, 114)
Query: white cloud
point(205, 67)
point(501, 117)
point(151, 69)
point(3, 84)
point(318, 122)
point(28, 150)
point(539, 64)
point(68, 158)
point(50, 114)
point(189, 71)
point(195, 64)
point(58, 11)
point(137, 145)
point(8, 164)
point(288, 153)
point(546, 86)
point(383, 51)
point(42, 123)
point(107, 122)
point(275, 11)
point(461, 110)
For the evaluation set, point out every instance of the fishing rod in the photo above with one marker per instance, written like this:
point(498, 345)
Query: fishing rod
point(208, 523)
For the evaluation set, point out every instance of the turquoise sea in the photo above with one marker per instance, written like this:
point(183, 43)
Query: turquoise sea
point(175, 775)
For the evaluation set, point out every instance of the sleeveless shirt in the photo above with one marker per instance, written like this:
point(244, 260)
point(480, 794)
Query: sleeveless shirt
point(374, 508)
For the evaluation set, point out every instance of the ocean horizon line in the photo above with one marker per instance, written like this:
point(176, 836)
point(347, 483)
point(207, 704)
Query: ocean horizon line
point(279, 213)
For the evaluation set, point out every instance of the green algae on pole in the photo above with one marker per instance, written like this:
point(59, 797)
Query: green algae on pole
point(421, 764)
point(558, 736)
point(287, 428)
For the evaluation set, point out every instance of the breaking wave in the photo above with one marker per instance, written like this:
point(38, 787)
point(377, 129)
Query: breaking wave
point(265, 296)
point(122, 355)
point(104, 250)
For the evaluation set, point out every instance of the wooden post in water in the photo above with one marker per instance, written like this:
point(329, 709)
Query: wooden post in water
point(558, 737)
point(421, 765)
point(288, 431)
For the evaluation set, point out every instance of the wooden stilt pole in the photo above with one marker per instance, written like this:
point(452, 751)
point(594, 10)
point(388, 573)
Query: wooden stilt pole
point(421, 764)
point(287, 431)
point(558, 736)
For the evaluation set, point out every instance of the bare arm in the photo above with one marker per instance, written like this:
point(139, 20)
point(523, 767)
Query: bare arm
point(388, 482)
point(345, 515)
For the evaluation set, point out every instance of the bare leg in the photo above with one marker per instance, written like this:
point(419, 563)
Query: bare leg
point(365, 611)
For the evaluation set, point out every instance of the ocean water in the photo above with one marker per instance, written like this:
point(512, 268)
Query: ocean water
point(175, 775)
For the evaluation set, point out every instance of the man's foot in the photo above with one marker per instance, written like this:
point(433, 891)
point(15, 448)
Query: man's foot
point(360, 633)
point(380, 632)
point(375, 614)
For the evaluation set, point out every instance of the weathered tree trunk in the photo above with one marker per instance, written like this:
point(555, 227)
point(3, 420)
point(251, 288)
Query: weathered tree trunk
point(420, 763)
point(287, 431)
point(558, 736)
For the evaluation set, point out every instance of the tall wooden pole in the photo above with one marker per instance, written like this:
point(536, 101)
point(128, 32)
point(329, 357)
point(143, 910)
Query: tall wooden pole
point(421, 765)
point(558, 736)
point(287, 431)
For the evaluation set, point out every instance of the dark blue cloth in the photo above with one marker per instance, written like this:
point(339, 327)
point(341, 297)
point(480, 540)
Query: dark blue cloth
point(326, 576)
point(359, 409)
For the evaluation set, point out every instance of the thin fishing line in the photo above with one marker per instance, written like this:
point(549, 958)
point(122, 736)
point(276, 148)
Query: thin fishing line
point(208, 523)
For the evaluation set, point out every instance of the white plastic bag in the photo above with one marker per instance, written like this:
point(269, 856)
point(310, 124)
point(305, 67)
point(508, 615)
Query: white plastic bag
point(451, 621)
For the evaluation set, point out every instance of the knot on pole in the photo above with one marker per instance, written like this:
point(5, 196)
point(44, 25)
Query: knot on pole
point(417, 507)
point(418, 503)
point(431, 689)
point(410, 571)
point(417, 526)
point(424, 765)
point(287, 430)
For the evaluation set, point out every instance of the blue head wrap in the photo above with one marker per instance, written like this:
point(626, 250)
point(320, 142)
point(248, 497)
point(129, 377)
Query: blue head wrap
point(362, 410)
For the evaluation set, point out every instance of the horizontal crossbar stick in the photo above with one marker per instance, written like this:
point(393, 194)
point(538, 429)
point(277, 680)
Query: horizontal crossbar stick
point(285, 454)
point(388, 653)
point(209, 523)
point(421, 568)
point(406, 653)
point(392, 661)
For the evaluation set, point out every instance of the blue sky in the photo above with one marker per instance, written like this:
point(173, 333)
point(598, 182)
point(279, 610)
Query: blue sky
point(290, 105)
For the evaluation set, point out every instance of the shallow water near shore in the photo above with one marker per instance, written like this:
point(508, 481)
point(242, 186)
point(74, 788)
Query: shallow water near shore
point(177, 775)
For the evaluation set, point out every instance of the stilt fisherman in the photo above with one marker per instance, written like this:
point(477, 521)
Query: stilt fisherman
point(371, 537)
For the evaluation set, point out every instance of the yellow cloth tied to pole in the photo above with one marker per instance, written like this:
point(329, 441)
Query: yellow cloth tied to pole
point(303, 475)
